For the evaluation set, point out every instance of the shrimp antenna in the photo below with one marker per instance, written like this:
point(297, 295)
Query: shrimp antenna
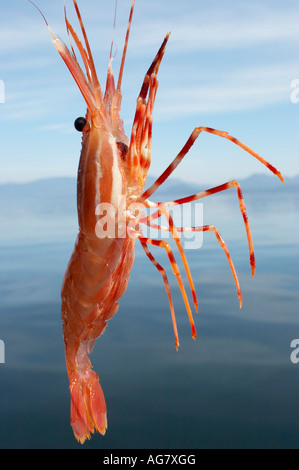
point(114, 24)
point(90, 58)
point(44, 18)
point(125, 47)
point(69, 33)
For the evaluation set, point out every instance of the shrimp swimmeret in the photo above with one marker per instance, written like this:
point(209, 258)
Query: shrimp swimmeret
point(114, 168)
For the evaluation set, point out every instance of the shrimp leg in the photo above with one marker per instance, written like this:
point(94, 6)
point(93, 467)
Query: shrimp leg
point(194, 135)
point(167, 288)
point(209, 192)
point(176, 238)
point(206, 228)
point(172, 229)
point(175, 269)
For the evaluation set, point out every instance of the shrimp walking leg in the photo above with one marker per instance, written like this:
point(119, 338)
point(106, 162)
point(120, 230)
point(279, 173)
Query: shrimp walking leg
point(177, 240)
point(211, 228)
point(206, 228)
point(217, 189)
point(209, 192)
point(172, 229)
point(167, 288)
point(176, 272)
point(194, 135)
point(113, 168)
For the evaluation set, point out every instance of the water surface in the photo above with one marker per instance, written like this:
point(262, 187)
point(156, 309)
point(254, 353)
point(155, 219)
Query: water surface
point(234, 387)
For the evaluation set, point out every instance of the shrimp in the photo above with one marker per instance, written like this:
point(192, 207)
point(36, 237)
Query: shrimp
point(114, 168)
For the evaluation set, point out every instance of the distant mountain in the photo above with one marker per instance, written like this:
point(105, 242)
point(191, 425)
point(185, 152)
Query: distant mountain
point(52, 196)
point(57, 196)
point(256, 183)
point(260, 182)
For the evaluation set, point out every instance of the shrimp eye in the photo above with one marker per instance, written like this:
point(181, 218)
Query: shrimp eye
point(80, 123)
point(123, 149)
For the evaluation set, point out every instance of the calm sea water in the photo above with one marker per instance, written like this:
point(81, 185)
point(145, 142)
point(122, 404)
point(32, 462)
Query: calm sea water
point(234, 387)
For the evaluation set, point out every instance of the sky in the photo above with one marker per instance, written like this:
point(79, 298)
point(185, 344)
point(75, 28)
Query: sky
point(228, 65)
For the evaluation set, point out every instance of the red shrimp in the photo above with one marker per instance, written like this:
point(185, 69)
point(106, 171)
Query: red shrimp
point(114, 168)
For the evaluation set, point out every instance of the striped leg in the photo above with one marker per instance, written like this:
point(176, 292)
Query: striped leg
point(211, 228)
point(208, 192)
point(167, 288)
point(208, 228)
point(197, 131)
point(175, 270)
point(172, 229)
point(177, 240)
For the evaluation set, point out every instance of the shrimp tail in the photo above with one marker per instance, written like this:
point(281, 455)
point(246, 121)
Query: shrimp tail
point(88, 407)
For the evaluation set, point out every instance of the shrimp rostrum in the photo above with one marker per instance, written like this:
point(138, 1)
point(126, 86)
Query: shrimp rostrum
point(111, 176)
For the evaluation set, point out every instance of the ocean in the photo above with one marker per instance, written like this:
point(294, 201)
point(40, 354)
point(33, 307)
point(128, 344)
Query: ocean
point(235, 386)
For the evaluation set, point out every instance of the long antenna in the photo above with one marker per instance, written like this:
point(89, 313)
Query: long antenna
point(91, 63)
point(52, 34)
point(125, 48)
point(114, 24)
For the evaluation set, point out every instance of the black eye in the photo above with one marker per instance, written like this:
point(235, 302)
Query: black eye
point(123, 149)
point(80, 124)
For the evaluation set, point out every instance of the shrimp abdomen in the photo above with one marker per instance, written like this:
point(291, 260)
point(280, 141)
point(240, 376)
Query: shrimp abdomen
point(91, 289)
